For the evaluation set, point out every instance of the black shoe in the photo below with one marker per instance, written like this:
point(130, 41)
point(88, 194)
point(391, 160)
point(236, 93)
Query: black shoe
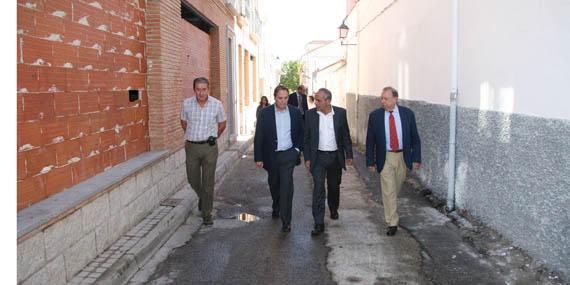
point(318, 230)
point(275, 214)
point(207, 221)
point(392, 231)
point(286, 228)
point(334, 214)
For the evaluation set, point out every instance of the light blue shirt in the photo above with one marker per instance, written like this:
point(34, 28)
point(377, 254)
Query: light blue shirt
point(396, 114)
point(283, 127)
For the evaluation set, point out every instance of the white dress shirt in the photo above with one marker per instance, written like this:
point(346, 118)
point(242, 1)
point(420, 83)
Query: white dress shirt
point(283, 127)
point(327, 140)
point(396, 114)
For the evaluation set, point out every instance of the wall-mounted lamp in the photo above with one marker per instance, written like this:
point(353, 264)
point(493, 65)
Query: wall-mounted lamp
point(342, 33)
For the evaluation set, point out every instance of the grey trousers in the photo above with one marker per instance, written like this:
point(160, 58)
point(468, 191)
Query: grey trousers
point(326, 165)
point(201, 162)
point(280, 178)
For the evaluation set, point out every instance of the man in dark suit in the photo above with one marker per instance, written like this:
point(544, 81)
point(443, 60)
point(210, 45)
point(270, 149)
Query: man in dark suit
point(392, 145)
point(299, 96)
point(327, 145)
point(277, 147)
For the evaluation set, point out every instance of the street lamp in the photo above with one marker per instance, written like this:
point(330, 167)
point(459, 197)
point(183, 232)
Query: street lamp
point(342, 33)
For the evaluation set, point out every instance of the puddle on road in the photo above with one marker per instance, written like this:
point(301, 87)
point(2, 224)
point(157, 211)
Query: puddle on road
point(248, 218)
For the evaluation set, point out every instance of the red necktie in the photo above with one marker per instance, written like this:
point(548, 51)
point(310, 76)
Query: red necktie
point(393, 133)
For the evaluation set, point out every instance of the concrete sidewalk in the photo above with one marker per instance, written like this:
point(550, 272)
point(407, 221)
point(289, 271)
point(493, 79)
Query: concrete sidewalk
point(455, 248)
point(118, 263)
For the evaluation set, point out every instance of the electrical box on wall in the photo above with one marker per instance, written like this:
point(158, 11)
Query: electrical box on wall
point(133, 95)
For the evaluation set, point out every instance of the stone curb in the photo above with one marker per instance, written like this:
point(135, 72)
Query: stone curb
point(123, 269)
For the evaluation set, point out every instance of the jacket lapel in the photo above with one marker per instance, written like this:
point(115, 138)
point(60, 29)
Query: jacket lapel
point(316, 123)
point(336, 124)
point(273, 127)
point(293, 125)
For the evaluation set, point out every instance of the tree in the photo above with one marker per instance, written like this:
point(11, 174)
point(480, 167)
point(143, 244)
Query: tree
point(291, 74)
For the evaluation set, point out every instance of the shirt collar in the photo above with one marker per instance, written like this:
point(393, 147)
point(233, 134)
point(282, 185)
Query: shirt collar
point(396, 111)
point(279, 112)
point(331, 113)
point(196, 100)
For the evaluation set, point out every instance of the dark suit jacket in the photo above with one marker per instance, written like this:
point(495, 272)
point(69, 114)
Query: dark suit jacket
point(295, 102)
point(265, 141)
point(376, 138)
point(341, 132)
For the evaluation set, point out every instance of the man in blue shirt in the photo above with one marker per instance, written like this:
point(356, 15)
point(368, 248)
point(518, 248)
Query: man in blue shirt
point(277, 147)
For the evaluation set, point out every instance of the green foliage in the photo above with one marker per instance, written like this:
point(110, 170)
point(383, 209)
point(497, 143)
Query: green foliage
point(291, 74)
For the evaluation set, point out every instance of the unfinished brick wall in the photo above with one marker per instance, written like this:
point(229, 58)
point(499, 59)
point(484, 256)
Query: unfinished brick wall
point(76, 61)
point(165, 47)
point(194, 57)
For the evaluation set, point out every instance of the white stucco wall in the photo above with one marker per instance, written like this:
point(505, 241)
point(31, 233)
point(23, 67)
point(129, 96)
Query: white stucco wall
point(513, 54)
point(406, 47)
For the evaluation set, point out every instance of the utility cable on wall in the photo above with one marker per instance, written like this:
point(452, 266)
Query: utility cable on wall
point(376, 16)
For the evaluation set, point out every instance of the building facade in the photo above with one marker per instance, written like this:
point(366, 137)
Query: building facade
point(100, 85)
point(324, 67)
point(245, 47)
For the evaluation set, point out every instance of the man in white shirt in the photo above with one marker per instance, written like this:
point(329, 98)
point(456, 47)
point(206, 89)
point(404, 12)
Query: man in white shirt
point(203, 120)
point(328, 149)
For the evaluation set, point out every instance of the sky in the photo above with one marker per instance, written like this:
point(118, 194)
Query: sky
point(290, 24)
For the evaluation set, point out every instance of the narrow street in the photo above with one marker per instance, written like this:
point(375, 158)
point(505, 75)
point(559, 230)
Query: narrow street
point(245, 245)
point(251, 250)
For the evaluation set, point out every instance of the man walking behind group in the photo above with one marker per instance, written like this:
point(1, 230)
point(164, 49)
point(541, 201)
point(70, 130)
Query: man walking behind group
point(203, 120)
point(392, 144)
point(299, 99)
point(277, 145)
point(327, 145)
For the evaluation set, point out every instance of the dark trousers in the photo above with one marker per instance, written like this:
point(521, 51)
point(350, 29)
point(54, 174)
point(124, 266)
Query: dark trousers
point(325, 166)
point(280, 179)
point(201, 162)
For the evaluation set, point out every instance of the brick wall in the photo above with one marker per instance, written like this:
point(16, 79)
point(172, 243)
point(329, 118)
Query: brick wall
point(195, 56)
point(76, 61)
point(164, 49)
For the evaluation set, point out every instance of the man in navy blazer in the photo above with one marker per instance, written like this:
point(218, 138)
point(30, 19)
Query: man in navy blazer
point(299, 99)
point(392, 145)
point(277, 147)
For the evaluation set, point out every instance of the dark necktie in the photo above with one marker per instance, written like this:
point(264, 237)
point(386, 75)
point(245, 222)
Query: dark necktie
point(393, 134)
point(300, 102)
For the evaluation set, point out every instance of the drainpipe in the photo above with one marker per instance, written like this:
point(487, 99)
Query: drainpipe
point(453, 104)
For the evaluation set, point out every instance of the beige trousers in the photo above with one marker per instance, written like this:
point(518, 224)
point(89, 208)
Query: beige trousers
point(391, 178)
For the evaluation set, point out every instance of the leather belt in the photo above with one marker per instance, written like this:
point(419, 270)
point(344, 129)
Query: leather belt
point(327, 151)
point(398, 150)
point(198, 142)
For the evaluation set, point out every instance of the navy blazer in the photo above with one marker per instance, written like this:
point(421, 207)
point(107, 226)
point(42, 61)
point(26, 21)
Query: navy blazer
point(265, 141)
point(341, 133)
point(376, 138)
point(293, 100)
